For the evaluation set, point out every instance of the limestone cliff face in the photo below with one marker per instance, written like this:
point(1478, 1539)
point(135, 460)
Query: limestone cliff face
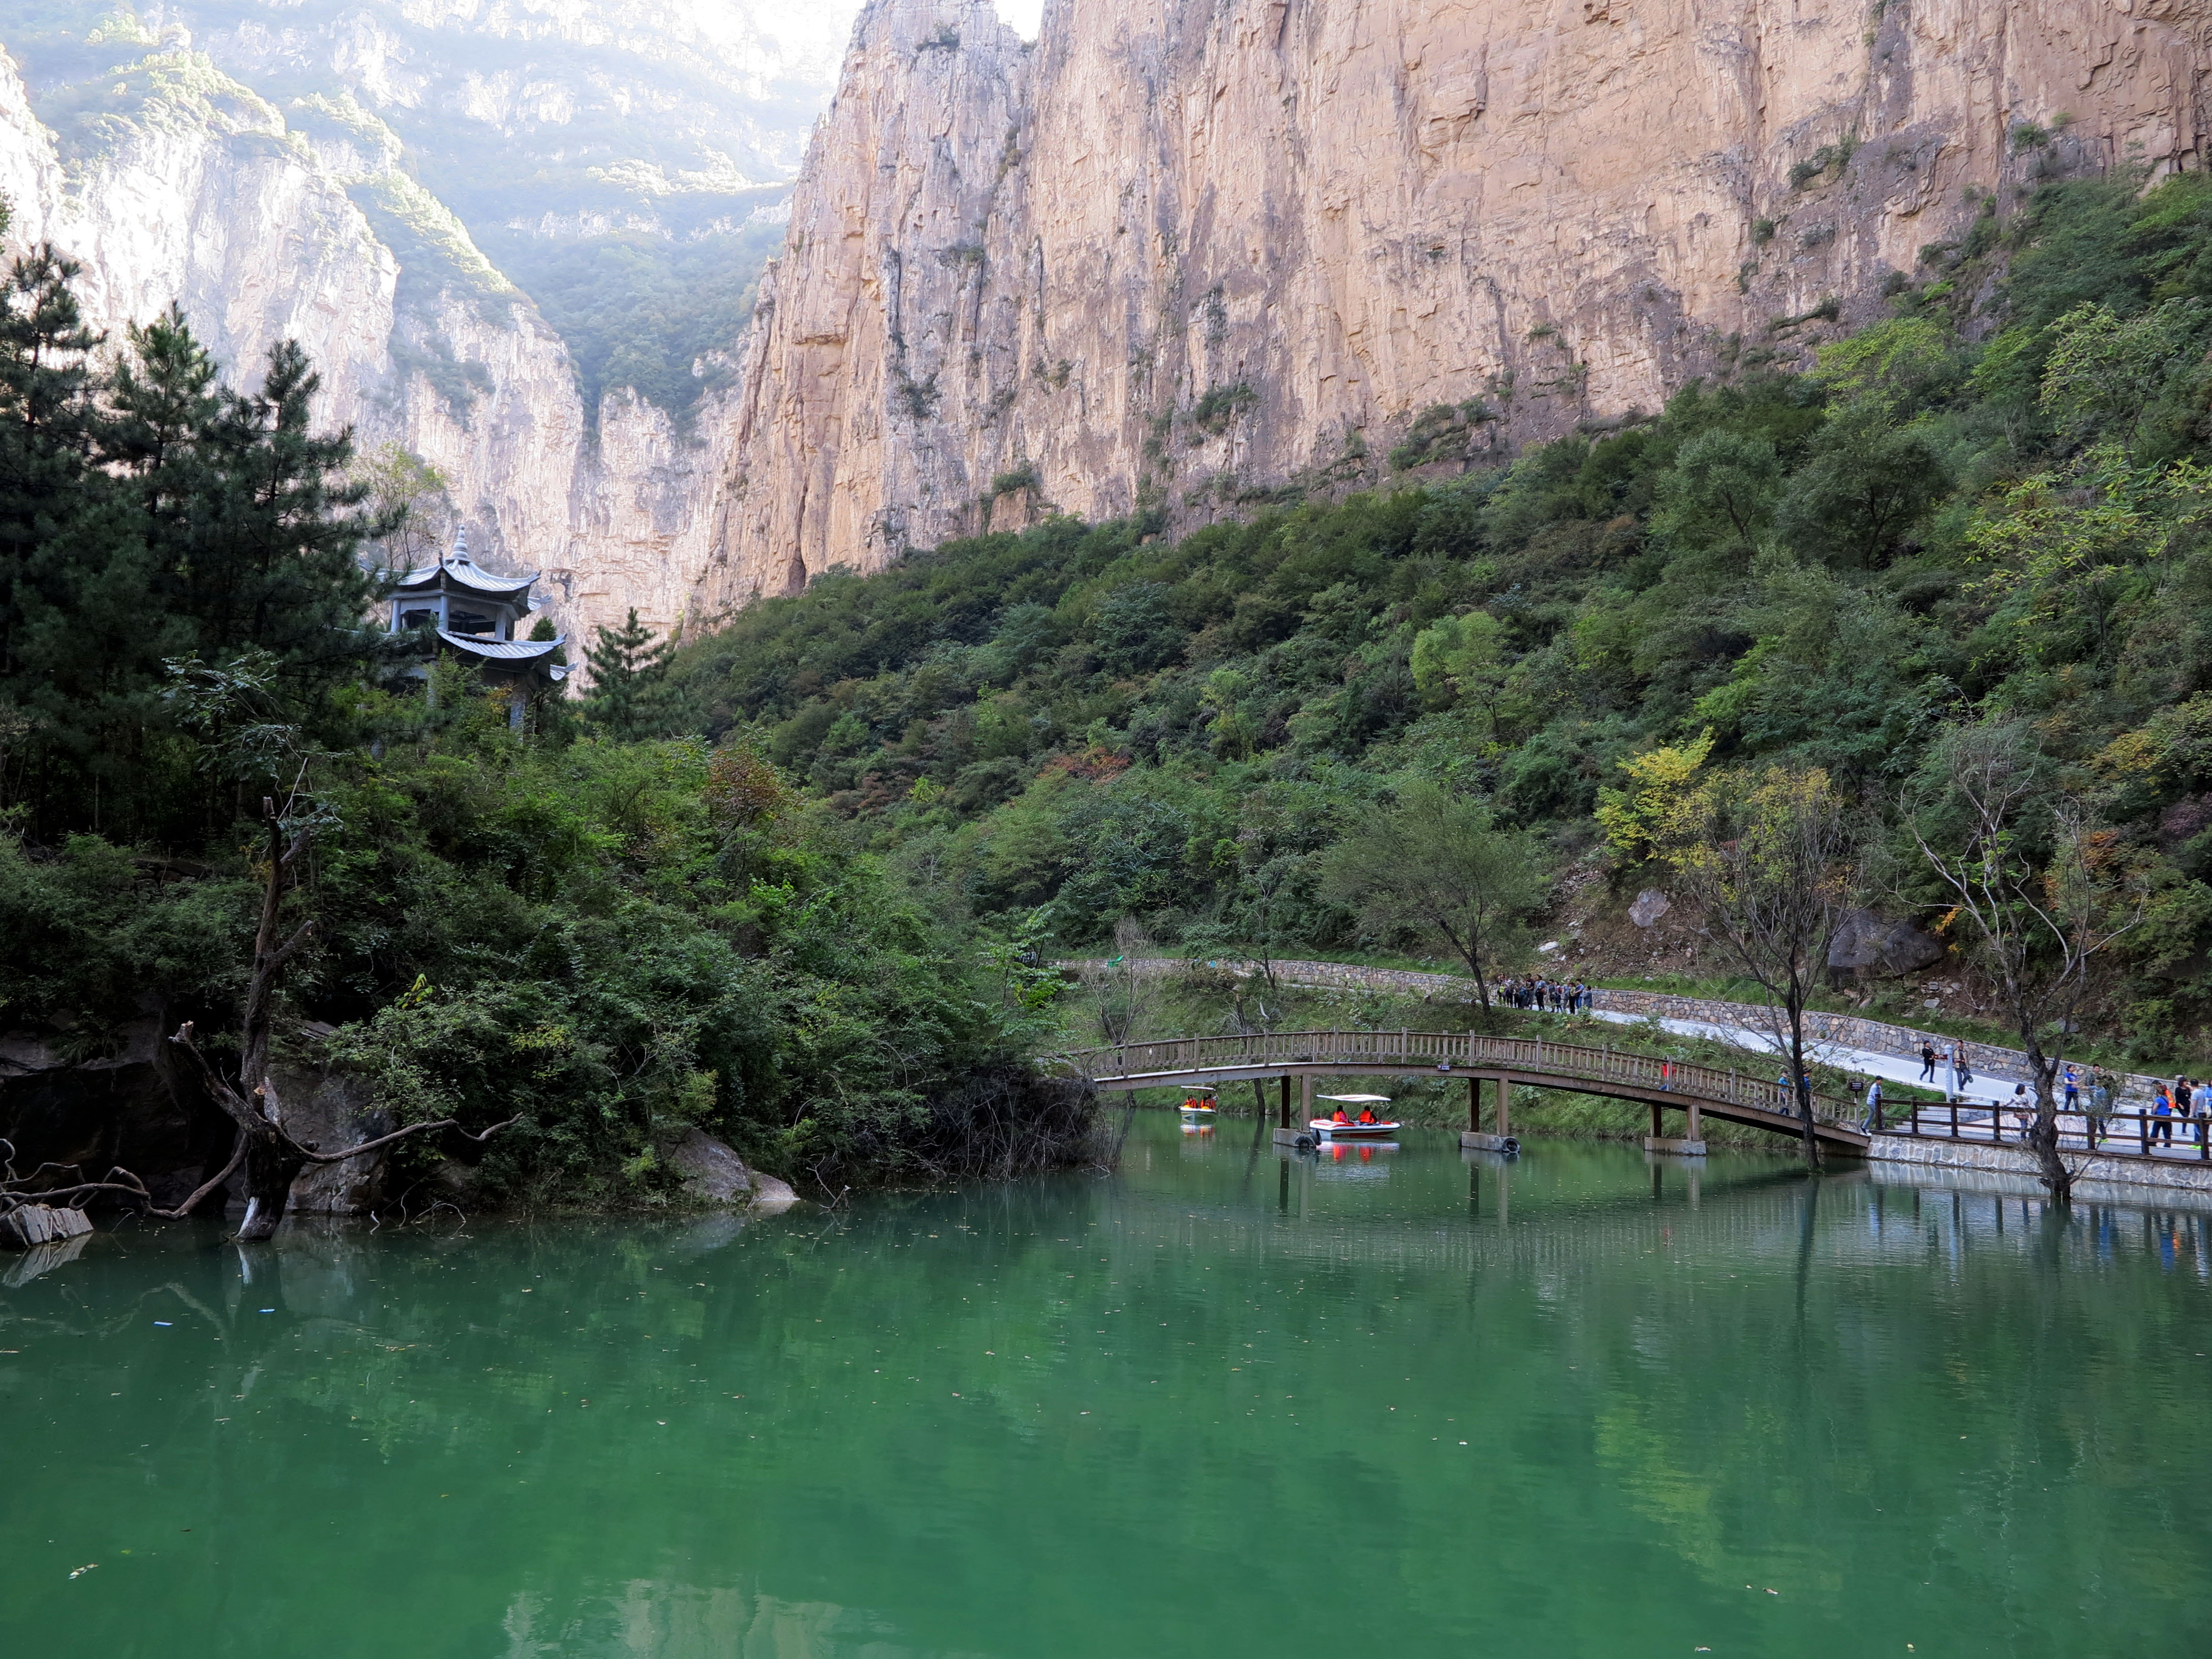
point(204, 195)
point(1193, 254)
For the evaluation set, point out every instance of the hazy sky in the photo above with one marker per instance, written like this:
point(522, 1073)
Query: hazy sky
point(813, 34)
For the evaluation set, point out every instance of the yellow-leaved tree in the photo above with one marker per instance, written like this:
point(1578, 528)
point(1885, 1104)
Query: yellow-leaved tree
point(1637, 819)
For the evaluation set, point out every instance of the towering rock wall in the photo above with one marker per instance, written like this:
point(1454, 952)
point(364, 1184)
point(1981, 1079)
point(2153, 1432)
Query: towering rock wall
point(1195, 254)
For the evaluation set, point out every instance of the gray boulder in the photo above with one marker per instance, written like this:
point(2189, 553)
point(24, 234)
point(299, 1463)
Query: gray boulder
point(331, 1112)
point(1878, 948)
point(770, 1195)
point(1651, 905)
point(713, 1171)
point(27, 1226)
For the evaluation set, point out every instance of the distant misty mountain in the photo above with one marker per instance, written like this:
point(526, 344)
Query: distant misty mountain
point(623, 163)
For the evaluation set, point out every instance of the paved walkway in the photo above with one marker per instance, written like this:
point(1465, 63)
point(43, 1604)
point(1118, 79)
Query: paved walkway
point(1864, 1063)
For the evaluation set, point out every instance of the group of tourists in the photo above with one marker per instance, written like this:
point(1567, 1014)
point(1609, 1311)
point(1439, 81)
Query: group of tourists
point(2088, 1094)
point(1536, 992)
point(1957, 1073)
point(2185, 1097)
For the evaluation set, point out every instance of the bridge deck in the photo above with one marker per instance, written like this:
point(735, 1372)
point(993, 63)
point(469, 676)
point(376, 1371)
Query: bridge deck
point(1731, 1095)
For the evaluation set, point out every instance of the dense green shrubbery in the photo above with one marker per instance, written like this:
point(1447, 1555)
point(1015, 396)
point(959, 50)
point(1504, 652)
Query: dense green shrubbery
point(1979, 508)
point(608, 941)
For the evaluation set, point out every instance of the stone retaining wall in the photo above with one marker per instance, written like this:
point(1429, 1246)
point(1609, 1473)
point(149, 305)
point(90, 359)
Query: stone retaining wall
point(2120, 1177)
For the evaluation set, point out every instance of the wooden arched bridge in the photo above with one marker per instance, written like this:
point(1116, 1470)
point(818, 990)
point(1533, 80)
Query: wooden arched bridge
point(1697, 1091)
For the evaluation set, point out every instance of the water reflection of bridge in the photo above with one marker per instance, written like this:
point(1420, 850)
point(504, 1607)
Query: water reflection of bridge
point(1697, 1091)
point(1517, 1219)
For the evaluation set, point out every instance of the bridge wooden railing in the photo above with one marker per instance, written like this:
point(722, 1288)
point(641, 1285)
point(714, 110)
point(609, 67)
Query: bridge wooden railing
point(1452, 1050)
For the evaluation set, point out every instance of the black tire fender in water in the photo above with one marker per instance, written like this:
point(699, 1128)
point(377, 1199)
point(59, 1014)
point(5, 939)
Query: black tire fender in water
point(1306, 1144)
point(1511, 1147)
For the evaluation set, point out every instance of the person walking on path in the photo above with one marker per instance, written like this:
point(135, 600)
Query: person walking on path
point(2023, 1108)
point(1873, 1107)
point(2161, 1111)
point(1951, 1073)
point(2100, 1108)
point(1927, 1061)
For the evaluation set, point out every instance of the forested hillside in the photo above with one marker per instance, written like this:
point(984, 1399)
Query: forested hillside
point(1985, 512)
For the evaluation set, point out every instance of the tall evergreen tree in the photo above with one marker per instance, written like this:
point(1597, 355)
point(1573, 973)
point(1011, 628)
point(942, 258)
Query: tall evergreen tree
point(152, 513)
point(79, 652)
point(271, 554)
point(630, 680)
point(49, 421)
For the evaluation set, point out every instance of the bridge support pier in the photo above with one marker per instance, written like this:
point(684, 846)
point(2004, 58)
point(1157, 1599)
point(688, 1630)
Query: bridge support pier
point(1475, 1139)
point(1287, 1132)
point(1693, 1143)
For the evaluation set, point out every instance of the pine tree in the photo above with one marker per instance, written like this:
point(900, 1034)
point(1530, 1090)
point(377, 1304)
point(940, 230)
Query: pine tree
point(48, 424)
point(152, 513)
point(272, 555)
point(79, 651)
point(629, 681)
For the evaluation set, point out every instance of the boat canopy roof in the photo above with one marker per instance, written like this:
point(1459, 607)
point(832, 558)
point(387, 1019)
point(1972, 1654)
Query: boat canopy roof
point(1357, 1100)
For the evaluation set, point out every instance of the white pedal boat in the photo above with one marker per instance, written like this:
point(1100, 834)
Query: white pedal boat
point(1327, 1129)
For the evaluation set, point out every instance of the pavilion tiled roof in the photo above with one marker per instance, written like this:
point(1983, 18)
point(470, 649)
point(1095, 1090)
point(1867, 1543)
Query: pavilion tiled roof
point(458, 567)
point(502, 650)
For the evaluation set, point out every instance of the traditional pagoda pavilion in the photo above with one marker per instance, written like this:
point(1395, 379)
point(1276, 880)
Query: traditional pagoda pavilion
point(474, 613)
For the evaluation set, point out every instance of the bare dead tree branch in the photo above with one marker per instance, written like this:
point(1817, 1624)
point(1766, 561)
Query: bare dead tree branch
point(2042, 889)
point(381, 1141)
point(1770, 859)
point(237, 1158)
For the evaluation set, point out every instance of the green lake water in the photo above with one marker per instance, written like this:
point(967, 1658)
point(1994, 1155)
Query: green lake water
point(1224, 1403)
